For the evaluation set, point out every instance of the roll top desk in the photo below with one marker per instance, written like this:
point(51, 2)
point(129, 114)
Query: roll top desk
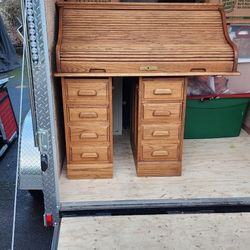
point(161, 45)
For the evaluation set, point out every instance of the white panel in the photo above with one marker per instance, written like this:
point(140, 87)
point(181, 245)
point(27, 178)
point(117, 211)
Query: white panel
point(117, 106)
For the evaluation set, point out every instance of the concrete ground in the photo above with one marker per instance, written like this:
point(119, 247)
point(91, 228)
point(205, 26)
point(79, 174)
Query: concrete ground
point(30, 232)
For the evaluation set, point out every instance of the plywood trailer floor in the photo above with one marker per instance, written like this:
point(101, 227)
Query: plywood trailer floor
point(212, 169)
point(172, 232)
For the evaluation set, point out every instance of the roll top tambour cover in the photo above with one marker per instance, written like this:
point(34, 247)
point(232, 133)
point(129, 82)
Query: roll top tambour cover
point(138, 38)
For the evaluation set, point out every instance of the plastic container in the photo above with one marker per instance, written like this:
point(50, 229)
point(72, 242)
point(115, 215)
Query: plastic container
point(214, 118)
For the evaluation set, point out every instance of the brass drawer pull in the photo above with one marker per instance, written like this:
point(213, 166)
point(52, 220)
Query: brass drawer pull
point(90, 155)
point(162, 92)
point(89, 135)
point(161, 113)
point(160, 153)
point(90, 92)
point(160, 133)
point(88, 115)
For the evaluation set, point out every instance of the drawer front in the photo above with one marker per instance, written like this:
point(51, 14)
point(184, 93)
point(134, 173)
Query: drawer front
point(162, 112)
point(87, 90)
point(169, 132)
point(90, 154)
point(85, 114)
point(160, 152)
point(163, 88)
point(89, 133)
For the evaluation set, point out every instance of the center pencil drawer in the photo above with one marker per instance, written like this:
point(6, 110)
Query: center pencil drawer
point(162, 112)
point(85, 114)
point(86, 154)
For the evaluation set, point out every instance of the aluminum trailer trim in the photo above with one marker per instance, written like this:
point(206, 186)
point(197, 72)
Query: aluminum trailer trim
point(30, 176)
point(44, 103)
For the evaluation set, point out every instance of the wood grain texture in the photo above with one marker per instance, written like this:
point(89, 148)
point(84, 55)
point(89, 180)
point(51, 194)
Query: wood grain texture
point(158, 169)
point(160, 127)
point(153, 151)
point(162, 88)
point(87, 91)
point(144, 232)
point(161, 132)
point(88, 125)
point(145, 74)
point(162, 112)
point(90, 114)
point(140, 38)
point(88, 133)
point(211, 168)
point(89, 153)
point(89, 171)
point(138, 6)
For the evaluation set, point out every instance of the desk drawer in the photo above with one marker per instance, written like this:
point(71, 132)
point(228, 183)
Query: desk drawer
point(169, 132)
point(85, 114)
point(87, 91)
point(90, 154)
point(162, 112)
point(160, 152)
point(163, 88)
point(89, 133)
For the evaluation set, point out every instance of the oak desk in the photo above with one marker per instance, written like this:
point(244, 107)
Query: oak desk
point(161, 44)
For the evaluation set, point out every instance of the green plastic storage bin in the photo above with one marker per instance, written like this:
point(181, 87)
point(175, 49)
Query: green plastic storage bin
point(214, 118)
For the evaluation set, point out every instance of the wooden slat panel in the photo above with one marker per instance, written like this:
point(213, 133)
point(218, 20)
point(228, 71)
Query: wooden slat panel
point(143, 33)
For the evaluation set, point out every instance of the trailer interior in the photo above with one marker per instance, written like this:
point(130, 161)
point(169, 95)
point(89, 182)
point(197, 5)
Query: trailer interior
point(214, 180)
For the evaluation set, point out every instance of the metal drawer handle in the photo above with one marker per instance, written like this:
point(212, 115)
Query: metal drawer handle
point(89, 135)
point(88, 115)
point(160, 153)
point(90, 155)
point(160, 133)
point(162, 92)
point(161, 113)
point(87, 92)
